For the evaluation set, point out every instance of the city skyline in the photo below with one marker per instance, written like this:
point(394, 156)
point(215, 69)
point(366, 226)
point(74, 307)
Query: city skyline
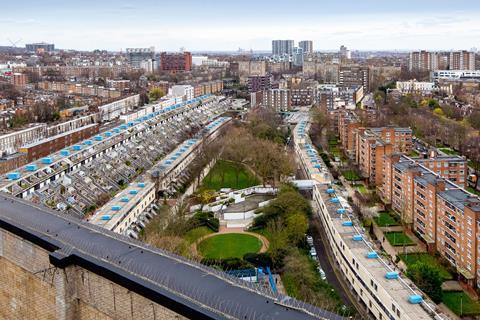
point(219, 26)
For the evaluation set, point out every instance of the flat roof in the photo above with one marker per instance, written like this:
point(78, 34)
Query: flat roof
point(117, 208)
point(30, 145)
point(398, 289)
point(184, 286)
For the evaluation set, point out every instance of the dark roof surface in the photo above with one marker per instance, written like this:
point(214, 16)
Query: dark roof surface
point(186, 287)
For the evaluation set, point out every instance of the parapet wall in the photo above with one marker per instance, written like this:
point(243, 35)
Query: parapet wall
point(32, 288)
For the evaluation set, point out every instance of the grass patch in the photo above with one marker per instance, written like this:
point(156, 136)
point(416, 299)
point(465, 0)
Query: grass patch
point(398, 238)
point(470, 189)
point(448, 151)
point(195, 234)
point(413, 153)
point(460, 303)
point(229, 245)
point(334, 151)
point(361, 188)
point(351, 175)
point(411, 258)
point(386, 219)
point(301, 280)
point(224, 175)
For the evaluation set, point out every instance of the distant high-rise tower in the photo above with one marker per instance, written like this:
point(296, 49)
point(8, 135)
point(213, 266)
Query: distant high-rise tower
point(281, 47)
point(462, 60)
point(136, 56)
point(423, 61)
point(306, 45)
point(298, 56)
point(345, 53)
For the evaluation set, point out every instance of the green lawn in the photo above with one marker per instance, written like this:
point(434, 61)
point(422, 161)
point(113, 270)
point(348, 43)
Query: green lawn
point(448, 151)
point(195, 234)
point(229, 245)
point(412, 258)
point(460, 303)
point(361, 188)
point(398, 238)
point(333, 149)
point(470, 189)
point(224, 175)
point(386, 219)
point(351, 175)
point(413, 153)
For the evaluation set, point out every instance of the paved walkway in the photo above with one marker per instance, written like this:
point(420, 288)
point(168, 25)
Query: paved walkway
point(225, 230)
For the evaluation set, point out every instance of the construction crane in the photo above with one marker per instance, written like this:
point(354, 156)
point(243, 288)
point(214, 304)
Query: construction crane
point(14, 43)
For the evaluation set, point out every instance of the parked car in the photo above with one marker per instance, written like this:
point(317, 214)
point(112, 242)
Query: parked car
point(322, 273)
point(310, 240)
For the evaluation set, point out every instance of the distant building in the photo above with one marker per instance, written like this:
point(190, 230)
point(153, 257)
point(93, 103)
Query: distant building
point(345, 53)
point(149, 65)
point(245, 69)
point(259, 83)
point(184, 91)
point(455, 75)
point(19, 79)
point(281, 47)
point(306, 45)
point(414, 86)
point(461, 60)
point(181, 61)
point(423, 61)
point(136, 56)
point(277, 99)
point(298, 56)
point(42, 46)
point(354, 75)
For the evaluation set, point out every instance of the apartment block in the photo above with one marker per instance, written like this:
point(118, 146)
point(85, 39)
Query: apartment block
point(353, 76)
point(175, 62)
point(373, 144)
point(348, 122)
point(259, 83)
point(50, 145)
point(19, 79)
point(443, 214)
point(461, 60)
point(281, 47)
point(277, 99)
point(458, 234)
point(423, 61)
point(426, 186)
point(452, 168)
point(306, 45)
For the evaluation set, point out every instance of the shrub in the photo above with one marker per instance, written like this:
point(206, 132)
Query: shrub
point(259, 259)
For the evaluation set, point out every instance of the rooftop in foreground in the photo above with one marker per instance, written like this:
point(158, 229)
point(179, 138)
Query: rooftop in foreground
point(193, 288)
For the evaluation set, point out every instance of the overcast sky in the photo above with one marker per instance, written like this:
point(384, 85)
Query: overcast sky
point(248, 24)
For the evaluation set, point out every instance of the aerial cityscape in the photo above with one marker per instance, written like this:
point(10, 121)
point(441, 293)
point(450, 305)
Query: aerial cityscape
point(250, 160)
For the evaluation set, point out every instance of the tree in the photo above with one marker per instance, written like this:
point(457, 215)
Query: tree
point(428, 279)
point(297, 226)
point(155, 94)
point(205, 196)
point(320, 118)
point(474, 119)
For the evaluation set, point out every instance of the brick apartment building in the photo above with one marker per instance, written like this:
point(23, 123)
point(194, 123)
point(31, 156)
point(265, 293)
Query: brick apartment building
point(443, 214)
point(277, 99)
point(259, 83)
point(453, 168)
point(372, 144)
point(49, 145)
point(175, 62)
point(353, 76)
point(348, 123)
